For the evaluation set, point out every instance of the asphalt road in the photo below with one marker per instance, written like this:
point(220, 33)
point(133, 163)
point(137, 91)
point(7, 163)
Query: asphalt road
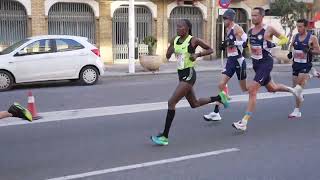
point(273, 148)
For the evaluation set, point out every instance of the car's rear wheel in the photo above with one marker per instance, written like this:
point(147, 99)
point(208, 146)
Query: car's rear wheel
point(6, 80)
point(89, 75)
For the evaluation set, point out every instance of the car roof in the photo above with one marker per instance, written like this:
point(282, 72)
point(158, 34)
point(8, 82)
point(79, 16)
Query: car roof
point(57, 37)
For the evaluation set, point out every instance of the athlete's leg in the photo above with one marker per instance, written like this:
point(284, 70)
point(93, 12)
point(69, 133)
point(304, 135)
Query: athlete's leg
point(194, 102)
point(299, 83)
point(182, 89)
point(253, 90)
point(314, 73)
point(242, 75)
point(262, 77)
point(226, 76)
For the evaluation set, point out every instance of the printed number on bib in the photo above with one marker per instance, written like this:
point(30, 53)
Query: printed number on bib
point(300, 56)
point(232, 51)
point(180, 61)
point(256, 52)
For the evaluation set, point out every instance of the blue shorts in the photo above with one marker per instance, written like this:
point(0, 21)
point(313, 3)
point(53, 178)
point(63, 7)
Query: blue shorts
point(263, 68)
point(233, 66)
point(298, 68)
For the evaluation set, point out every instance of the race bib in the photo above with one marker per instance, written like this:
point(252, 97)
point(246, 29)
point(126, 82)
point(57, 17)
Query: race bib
point(256, 52)
point(232, 51)
point(180, 60)
point(299, 56)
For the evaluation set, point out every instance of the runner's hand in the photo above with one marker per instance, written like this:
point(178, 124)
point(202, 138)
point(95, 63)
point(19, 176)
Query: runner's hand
point(289, 55)
point(230, 42)
point(223, 46)
point(194, 56)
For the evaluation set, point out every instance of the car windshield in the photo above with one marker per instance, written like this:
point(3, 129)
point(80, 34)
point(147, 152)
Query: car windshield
point(13, 47)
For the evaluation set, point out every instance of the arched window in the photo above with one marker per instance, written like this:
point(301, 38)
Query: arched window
point(185, 12)
point(72, 19)
point(120, 28)
point(13, 22)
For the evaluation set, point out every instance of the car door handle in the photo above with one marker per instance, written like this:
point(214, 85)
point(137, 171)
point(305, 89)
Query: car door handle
point(11, 62)
point(83, 54)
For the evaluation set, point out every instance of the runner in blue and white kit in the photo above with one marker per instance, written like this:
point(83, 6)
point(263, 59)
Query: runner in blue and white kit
point(234, 44)
point(260, 42)
point(304, 45)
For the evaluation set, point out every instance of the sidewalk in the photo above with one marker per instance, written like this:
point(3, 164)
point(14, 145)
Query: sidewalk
point(170, 68)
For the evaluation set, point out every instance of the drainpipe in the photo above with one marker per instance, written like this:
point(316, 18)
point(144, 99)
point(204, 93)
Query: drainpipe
point(213, 3)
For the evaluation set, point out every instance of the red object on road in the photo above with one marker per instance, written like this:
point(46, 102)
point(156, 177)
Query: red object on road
point(32, 106)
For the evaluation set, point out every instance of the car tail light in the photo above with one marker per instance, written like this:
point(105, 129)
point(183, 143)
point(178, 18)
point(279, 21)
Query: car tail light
point(96, 52)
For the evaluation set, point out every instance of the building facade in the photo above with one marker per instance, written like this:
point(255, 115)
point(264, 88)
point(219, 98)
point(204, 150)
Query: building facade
point(105, 22)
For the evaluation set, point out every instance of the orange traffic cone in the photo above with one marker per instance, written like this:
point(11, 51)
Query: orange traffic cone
point(226, 91)
point(32, 106)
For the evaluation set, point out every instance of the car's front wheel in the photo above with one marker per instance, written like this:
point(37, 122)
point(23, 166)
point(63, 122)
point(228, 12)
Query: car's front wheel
point(89, 75)
point(6, 80)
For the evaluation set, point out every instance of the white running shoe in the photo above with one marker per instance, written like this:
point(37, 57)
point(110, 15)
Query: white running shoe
point(212, 117)
point(295, 114)
point(240, 126)
point(314, 73)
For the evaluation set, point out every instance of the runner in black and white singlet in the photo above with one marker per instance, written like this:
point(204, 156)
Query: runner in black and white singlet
point(234, 44)
point(303, 46)
point(260, 42)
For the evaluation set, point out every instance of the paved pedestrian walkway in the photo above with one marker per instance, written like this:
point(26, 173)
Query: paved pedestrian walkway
point(170, 67)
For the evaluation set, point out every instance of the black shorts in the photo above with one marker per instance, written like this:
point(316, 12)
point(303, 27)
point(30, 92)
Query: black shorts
point(263, 68)
point(298, 68)
point(233, 66)
point(187, 75)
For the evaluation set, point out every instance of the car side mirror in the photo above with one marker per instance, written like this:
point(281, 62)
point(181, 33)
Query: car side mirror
point(21, 53)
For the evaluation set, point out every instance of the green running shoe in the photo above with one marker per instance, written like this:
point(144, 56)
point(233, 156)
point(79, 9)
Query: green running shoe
point(160, 140)
point(224, 99)
point(19, 111)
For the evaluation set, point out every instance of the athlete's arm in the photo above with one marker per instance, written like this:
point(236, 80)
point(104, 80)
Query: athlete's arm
point(292, 42)
point(315, 45)
point(207, 49)
point(290, 55)
point(170, 49)
point(273, 32)
point(241, 36)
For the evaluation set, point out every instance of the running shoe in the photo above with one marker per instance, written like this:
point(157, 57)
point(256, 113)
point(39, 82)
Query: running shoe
point(212, 117)
point(295, 114)
point(239, 125)
point(19, 111)
point(160, 140)
point(224, 99)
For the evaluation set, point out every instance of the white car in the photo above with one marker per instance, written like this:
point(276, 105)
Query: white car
point(51, 57)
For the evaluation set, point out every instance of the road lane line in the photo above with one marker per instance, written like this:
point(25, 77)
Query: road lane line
point(133, 108)
point(146, 164)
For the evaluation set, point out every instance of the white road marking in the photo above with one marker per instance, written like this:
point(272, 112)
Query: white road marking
point(133, 108)
point(146, 164)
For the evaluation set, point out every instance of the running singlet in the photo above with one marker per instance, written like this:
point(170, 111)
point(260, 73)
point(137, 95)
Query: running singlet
point(233, 51)
point(298, 55)
point(182, 54)
point(260, 48)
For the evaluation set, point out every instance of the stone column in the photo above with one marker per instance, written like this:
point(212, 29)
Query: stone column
point(162, 29)
point(39, 23)
point(105, 31)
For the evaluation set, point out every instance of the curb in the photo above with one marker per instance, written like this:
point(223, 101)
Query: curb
point(199, 69)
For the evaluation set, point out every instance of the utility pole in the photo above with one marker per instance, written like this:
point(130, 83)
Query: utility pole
point(131, 36)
